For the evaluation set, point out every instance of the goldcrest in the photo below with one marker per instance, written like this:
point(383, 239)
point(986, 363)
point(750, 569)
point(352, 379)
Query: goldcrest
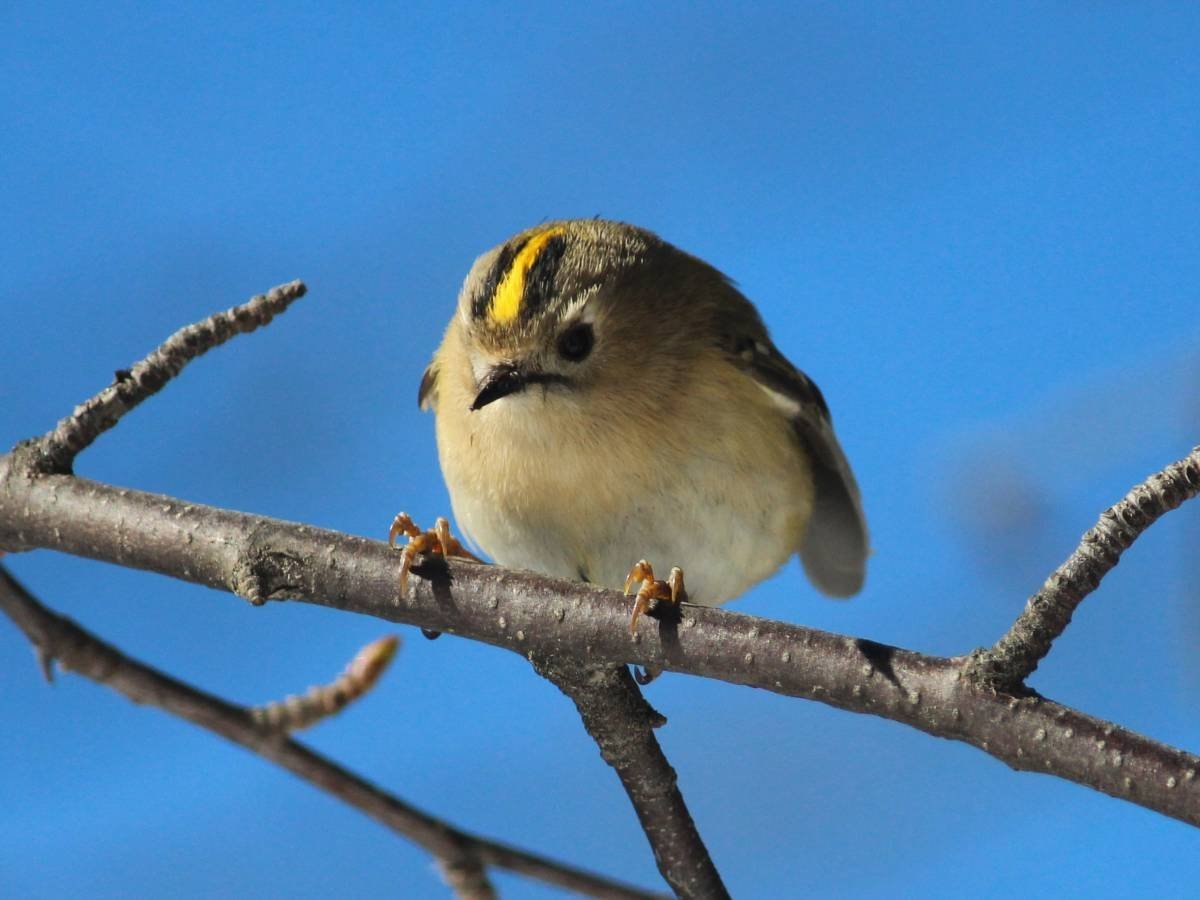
point(604, 399)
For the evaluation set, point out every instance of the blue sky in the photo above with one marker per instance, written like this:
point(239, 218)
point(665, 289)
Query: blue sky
point(974, 225)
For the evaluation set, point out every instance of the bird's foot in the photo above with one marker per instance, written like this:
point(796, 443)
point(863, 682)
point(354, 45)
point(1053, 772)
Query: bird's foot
point(436, 540)
point(652, 590)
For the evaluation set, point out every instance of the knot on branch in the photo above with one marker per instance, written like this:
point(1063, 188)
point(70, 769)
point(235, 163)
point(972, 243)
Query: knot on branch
point(466, 876)
point(263, 574)
point(31, 458)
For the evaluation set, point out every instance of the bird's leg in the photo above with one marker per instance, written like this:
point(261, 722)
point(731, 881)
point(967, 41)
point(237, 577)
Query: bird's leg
point(437, 540)
point(652, 590)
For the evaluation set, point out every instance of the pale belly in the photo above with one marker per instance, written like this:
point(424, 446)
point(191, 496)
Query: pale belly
point(728, 526)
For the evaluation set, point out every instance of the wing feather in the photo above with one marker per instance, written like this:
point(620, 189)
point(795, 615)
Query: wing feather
point(834, 549)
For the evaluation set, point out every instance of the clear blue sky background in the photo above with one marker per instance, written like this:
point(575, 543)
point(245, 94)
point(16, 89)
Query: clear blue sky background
point(975, 226)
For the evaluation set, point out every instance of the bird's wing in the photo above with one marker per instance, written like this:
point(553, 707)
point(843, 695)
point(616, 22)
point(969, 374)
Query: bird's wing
point(834, 549)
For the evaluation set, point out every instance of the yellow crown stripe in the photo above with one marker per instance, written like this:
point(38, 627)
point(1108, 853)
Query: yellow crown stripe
point(506, 302)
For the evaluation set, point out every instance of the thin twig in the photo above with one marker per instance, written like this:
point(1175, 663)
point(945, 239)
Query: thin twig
point(318, 703)
point(464, 854)
point(622, 724)
point(56, 451)
point(528, 613)
point(1016, 655)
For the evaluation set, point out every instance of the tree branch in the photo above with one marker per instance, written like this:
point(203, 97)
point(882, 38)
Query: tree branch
point(461, 855)
point(57, 450)
point(1014, 657)
point(258, 557)
point(622, 724)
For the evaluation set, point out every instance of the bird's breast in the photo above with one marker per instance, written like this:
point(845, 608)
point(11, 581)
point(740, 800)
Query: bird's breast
point(539, 483)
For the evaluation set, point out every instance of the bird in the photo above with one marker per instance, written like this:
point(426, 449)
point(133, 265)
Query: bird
point(605, 401)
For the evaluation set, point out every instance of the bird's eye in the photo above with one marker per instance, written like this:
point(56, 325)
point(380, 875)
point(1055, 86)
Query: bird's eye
point(576, 342)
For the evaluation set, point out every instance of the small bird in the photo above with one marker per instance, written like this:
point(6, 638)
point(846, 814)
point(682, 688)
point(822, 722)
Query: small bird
point(604, 399)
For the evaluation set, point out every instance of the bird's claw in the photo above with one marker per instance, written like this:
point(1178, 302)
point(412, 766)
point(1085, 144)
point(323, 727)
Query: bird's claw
point(652, 590)
point(437, 540)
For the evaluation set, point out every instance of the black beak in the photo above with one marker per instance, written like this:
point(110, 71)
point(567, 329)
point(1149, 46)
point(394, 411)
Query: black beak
point(500, 382)
point(507, 379)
